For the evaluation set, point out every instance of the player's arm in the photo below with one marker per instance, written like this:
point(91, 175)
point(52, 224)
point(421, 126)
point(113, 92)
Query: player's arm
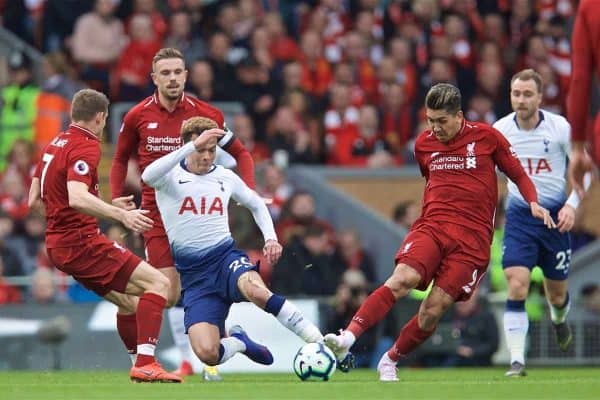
point(251, 200)
point(507, 162)
point(126, 145)
point(243, 158)
point(34, 200)
point(83, 201)
point(578, 97)
point(155, 173)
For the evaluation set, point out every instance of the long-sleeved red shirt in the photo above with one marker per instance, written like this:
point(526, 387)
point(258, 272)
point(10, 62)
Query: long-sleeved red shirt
point(585, 60)
point(151, 131)
point(461, 177)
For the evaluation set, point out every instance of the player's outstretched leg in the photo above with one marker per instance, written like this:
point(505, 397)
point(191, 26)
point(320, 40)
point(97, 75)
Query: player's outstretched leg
point(254, 351)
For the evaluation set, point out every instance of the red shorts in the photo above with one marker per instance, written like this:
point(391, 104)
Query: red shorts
point(100, 264)
point(158, 250)
point(454, 257)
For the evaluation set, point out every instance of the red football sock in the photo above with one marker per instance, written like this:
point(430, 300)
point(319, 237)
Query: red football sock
point(373, 310)
point(149, 318)
point(410, 337)
point(127, 328)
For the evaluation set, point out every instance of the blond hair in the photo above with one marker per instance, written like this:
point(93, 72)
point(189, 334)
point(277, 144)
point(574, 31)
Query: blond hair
point(196, 125)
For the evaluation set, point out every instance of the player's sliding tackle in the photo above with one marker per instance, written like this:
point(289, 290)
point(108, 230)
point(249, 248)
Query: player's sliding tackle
point(193, 196)
point(66, 182)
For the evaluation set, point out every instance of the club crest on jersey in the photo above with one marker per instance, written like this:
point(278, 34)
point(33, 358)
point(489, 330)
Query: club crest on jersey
point(546, 144)
point(471, 159)
point(222, 188)
point(152, 125)
point(81, 167)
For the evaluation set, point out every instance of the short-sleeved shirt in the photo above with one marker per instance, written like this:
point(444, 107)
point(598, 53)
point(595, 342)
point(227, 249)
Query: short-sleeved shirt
point(71, 156)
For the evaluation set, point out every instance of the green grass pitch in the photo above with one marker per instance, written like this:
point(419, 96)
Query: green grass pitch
point(439, 384)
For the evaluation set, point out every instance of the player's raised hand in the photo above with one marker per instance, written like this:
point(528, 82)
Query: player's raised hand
point(541, 213)
point(566, 218)
point(125, 202)
point(205, 137)
point(272, 251)
point(137, 221)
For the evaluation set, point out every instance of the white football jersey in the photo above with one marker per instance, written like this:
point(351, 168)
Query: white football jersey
point(543, 153)
point(194, 207)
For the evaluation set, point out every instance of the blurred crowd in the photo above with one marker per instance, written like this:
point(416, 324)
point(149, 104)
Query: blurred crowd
point(334, 82)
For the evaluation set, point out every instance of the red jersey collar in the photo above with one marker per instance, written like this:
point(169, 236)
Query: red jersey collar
point(76, 128)
point(182, 103)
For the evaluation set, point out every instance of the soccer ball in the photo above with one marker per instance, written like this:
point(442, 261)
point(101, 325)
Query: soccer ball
point(314, 362)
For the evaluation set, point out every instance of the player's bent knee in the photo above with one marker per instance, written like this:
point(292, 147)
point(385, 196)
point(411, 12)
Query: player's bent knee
point(403, 280)
point(160, 285)
point(207, 352)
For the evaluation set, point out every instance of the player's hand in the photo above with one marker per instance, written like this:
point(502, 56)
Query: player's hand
point(541, 213)
point(566, 218)
point(125, 202)
point(205, 137)
point(272, 251)
point(579, 163)
point(464, 351)
point(137, 221)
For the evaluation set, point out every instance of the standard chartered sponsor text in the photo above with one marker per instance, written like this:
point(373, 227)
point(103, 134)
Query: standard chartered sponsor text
point(164, 144)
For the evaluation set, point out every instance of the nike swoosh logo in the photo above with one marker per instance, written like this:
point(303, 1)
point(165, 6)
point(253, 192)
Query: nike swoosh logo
point(147, 373)
point(180, 181)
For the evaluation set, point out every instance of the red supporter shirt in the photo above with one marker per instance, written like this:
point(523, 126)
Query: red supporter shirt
point(585, 62)
point(461, 184)
point(71, 156)
point(151, 131)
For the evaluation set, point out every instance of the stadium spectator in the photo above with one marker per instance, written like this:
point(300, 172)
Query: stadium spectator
point(405, 214)
point(244, 130)
point(477, 329)
point(54, 100)
point(309, 259)
point(355, 256)
point(98, 40)
point(297, 215)
point(21, 161)
point(19, 105)
point(8, 293)
point(274, 186)
point(289, 139)
point(180, 36)
point(132, 71)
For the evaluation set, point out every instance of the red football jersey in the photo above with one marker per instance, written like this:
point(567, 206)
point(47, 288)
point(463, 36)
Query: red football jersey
point(461, 178)
point(585, 61)
point(150, 131)
point(71, 156)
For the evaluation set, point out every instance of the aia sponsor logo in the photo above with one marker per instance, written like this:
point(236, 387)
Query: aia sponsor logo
point(202, 206)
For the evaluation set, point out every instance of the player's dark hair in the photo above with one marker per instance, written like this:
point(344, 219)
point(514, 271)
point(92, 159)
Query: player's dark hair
point(165, 53)
point(196, 125)
point(444, 96)
point(87, 103)
point(529, 74)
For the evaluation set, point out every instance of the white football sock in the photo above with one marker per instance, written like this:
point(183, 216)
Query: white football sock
point(516, 325)
point(232, 345)
point(293, 319)
point(176, 316)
